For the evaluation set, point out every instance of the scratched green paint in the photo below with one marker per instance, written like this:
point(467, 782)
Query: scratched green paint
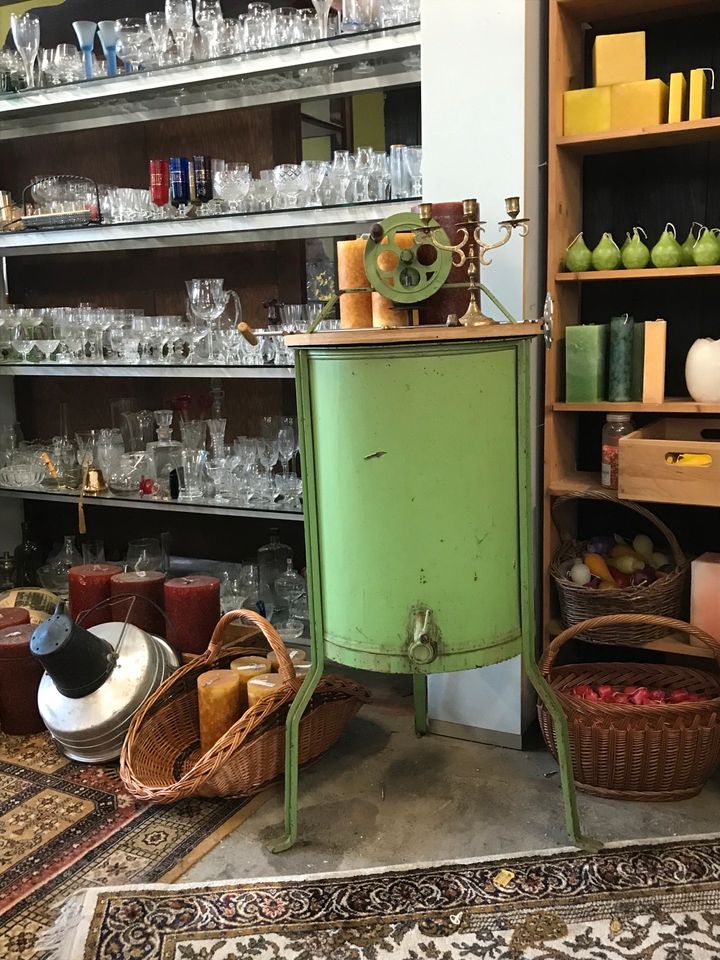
point(415, 462)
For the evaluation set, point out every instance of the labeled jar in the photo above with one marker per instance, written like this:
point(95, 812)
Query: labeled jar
point(617, 425)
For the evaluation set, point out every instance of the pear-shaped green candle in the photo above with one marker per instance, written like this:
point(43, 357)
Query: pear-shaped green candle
point(635, 254)
point(706, 252)
point(606, 255)
point(667, 251)
point(578, 257)
point(687, 247)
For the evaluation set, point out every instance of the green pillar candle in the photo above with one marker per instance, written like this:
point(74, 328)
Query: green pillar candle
point(621, 358)
point(585, 363)
point(638, 361)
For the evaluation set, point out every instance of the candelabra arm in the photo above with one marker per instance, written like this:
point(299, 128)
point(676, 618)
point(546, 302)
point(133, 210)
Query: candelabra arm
point(505, 312)
point(486, 247)
point(457, 248)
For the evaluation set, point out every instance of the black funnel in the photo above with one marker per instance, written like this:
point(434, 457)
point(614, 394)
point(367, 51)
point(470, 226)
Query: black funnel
point(78, 662)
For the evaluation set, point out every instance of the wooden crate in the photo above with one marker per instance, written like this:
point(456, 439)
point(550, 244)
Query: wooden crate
point(647, 470)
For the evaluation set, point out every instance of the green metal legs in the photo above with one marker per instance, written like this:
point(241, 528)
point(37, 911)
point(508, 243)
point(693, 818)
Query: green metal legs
point(420, 698)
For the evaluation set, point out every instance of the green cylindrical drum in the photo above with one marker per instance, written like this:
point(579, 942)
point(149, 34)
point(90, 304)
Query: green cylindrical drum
point(415, 460)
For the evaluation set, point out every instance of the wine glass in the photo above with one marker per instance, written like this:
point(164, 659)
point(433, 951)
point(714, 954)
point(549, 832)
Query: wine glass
point(323, 8)
point(287, 443)
point(315, 173)
point(145, 554)
point(413, 164)
point(159, 32)
point(26, 34)
point(132, 35)
point(21, 342)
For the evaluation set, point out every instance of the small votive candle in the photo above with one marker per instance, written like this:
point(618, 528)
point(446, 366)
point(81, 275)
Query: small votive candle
point(247, 668)
point(297, 656)
point(219, 705)
point(260, 687)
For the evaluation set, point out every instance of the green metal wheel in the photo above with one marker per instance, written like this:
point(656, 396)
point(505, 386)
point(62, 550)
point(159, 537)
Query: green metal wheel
point(407, 273)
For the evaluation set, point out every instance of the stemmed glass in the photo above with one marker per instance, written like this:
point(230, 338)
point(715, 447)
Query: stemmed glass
point(232, 184)
point(323, 8)
point(290, 586)
point(159, 32)
point(290, 183)
point(287, 443)
point(132, 34)
point(315, 173)
point(26, 34)
point(21, 342)
point(413, 164)
point(179, 17)
point(209, 17)
point(207, 301)
point(85, 32)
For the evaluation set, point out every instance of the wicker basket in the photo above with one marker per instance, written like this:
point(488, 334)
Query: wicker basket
point(664, 598)
point(628, 752)
point(161, 760)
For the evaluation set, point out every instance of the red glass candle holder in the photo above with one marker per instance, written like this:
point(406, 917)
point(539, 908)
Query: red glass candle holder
point(160, 182)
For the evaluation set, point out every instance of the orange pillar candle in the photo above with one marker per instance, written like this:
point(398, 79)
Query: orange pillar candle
point(219, 704)
point(260, 687)
point(355, 308)
point(296, 655)
point(247, 668)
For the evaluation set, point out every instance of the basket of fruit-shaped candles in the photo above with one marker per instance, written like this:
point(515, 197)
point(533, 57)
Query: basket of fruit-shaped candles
point(216, 727)
point(637, 731)
point(613, 574)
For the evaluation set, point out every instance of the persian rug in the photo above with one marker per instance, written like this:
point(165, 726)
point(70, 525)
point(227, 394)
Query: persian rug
point(650, 901)
point(67, 826)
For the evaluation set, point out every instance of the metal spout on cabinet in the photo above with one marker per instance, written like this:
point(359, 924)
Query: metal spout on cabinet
point(422, 649)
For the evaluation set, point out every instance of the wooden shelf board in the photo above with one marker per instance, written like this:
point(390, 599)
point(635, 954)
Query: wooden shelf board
point(643, 138)
point(596, 11)
point(575, 483)
point(650, 273)
point(670, 644)
point(671, 405)
point(375, 337)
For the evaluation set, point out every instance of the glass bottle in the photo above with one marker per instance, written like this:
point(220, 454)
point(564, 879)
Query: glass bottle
point(617, 425)
point(272, 559)
point(28, 557)
point(257, 595)
point(7, 572)
point(289, 587)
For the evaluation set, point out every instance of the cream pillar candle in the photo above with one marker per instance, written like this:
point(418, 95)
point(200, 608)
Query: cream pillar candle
point(296, 655)
point(247, 668)
point(260, 687)
point(705, 594)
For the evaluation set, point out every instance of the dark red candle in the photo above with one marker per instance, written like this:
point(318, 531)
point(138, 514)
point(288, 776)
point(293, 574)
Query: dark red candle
point(13, 617)
point(192, 605)
point(160, 182)
point(145, 586)
point(438, 307)
point(89, 584)
point(20, 675)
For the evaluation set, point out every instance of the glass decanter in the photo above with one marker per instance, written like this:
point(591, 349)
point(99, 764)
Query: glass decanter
point(290, 586)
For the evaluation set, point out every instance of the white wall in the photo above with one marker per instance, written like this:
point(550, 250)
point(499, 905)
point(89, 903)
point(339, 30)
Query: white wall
point(481, 84)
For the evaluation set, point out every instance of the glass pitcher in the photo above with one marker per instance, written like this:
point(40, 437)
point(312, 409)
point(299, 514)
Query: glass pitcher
point(208, 301)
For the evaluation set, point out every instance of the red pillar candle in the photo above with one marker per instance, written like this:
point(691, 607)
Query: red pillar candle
point(20, 675)
point(89, 584)
point(13, 617)
point(192, 605)
point(147, 586)
point(445, 302)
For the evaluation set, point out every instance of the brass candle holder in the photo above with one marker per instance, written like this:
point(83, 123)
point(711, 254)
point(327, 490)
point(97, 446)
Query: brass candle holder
point(472, 250)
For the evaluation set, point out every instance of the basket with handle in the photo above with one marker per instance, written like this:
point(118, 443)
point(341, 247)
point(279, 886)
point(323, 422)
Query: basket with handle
point(161, 760)
point(663, 598)
point(636, 752)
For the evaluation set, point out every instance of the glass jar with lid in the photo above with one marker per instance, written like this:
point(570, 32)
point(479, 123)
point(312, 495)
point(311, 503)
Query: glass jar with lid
point(617, 425)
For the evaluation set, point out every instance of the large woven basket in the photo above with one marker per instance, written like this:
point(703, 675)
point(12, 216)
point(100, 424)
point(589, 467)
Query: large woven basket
point(161, 760)
point(664, 598)
point(629, 752)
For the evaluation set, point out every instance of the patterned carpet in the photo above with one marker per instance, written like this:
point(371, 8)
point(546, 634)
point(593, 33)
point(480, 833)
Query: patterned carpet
point(652, 901)
point(66, 826)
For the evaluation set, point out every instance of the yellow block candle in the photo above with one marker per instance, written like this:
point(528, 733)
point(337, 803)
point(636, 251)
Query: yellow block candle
point(297, 656)
point(677, 109)
point(619, 58)
point(698, 94)
point(260, 687)
point(219, 705)
point(638, 104)
point(355, 308)
point(246, 668)
point(586, 111)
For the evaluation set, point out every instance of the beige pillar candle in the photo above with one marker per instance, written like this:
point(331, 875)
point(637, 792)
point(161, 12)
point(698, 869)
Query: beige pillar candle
point(355, 308)
point(260, 687)
point(219, 705)
point(297, 656)
point(247, 668)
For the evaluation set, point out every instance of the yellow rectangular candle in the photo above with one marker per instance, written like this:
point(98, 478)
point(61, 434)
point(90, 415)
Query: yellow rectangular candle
point(654, 361)
point(638, 104)
point(698, 94)
point(219, 705)
point(677, 109)
point(586, 111)
point(297, 656)
point(260, 687)
point(619, 58)
point(246, 668)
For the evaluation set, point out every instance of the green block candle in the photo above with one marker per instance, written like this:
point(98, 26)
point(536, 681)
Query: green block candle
point(621, 358)
point(638, 362)
point(585, 363)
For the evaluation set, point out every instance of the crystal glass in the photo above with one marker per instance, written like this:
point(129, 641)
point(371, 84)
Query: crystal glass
point(360, 182)
point(290, 185)
point(340, 176)
point(413, 165)
point(144, 555)
point(193, 433)
point(289, 587)
point(216, 429)
point(360, 15)
point(315, 172)
point(284, 27)
point(257, 27)
point(287, 443)
point(178, 15)
point(400, 184)
point(132, 36)
point(379, 181)
point(232, 184)
point(193, 468)
point(26, 35)
point(159, 31)
point(93, 551)
point(323, 8)
point(217, 471)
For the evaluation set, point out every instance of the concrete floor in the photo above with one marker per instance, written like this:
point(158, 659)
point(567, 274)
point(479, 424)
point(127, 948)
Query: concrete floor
point(382, 796)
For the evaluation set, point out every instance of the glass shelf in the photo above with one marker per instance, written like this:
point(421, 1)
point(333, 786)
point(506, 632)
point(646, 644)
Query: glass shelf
point(265, 77)
point(194, 507)
point(204, 231)
point(148, 372)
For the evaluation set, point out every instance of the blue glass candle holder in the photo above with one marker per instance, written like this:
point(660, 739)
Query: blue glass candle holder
point(108, 33)
point(85, 32)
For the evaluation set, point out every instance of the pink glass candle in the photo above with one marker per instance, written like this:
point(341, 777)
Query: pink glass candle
point(147, 588)
point(90, 584)
point(192, 605)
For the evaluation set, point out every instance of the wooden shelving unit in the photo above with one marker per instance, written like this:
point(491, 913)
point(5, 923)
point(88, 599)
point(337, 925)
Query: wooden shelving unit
point(672, 644)
point(603, 182)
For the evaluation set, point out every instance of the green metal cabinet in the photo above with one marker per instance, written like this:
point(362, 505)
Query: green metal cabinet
point(417, 475)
